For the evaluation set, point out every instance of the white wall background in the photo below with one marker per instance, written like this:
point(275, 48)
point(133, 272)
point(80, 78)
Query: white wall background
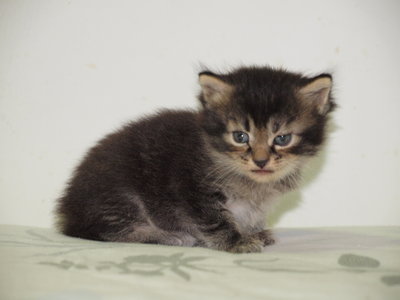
point(71, 71)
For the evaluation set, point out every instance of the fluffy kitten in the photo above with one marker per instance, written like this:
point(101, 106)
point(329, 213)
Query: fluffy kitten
point(202, 178)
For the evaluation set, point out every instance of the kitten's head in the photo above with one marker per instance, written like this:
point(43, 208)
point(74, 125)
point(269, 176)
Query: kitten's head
point(264, 122)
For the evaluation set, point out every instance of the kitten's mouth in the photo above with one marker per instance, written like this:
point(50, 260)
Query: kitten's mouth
point(262, 171)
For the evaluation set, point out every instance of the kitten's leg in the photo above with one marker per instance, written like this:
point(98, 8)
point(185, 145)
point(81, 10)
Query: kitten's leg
point(151, 235)
point(266, 237)
point(125, 218)
point(254, 242)
point(248, 244)
point(224, 235)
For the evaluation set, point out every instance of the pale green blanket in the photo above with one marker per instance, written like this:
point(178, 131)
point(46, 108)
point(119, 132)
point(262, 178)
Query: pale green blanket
point(318, 263)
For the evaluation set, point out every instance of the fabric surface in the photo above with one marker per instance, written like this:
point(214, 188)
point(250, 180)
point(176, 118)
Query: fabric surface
point(312, 263)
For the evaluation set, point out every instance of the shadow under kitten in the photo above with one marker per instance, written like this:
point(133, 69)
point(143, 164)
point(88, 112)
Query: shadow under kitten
point(293, 199)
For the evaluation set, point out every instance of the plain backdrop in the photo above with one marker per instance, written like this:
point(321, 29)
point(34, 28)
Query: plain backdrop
point(72, 71)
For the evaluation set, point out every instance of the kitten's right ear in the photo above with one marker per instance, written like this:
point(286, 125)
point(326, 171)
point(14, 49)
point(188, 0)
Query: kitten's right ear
point(317, 93)
point(214, 91)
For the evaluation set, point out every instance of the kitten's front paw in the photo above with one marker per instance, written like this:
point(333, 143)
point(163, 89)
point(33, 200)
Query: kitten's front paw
point(266, 237)
point(249, 244)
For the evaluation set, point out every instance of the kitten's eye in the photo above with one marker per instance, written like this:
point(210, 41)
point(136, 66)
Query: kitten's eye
point(283, 140)
point(240, 137)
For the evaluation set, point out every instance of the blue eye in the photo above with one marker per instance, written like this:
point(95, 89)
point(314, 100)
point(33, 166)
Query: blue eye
point(282, 140)
point(240, 137)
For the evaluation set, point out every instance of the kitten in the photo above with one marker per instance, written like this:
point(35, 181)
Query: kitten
point(202, 178)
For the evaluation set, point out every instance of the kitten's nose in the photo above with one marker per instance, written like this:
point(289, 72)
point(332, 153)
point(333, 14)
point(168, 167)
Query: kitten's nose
point(261, 163)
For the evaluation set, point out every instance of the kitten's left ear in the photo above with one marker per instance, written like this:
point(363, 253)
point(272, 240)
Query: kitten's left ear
point(214, 91)
point(317, 93)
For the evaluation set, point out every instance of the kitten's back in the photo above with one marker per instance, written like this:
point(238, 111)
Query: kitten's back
point(145, 158)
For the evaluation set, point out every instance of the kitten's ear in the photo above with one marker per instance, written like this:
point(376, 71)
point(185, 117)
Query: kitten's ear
point(317, 93)
point(214, 91)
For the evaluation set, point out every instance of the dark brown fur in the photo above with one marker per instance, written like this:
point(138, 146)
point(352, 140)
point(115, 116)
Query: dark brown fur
point(176, 178)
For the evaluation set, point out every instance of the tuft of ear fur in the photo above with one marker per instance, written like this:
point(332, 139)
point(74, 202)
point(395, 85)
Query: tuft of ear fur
point(214, 91)
point(317, 93)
